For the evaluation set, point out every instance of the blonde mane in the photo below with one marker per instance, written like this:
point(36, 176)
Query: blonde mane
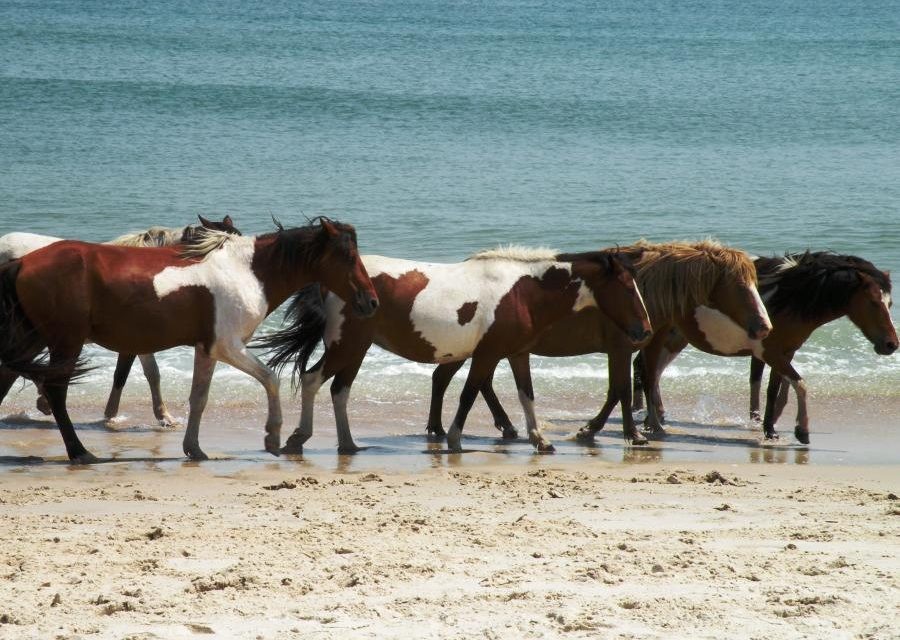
point(207, 241)
point(675, 277)
point(516, 253)
point(152, 237)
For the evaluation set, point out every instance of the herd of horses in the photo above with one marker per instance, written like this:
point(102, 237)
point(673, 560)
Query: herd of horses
point(209, 287)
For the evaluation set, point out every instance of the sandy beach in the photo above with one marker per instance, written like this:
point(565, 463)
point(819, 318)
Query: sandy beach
point(403, 540)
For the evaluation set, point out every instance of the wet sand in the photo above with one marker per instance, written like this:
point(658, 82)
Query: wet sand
point(703, 533)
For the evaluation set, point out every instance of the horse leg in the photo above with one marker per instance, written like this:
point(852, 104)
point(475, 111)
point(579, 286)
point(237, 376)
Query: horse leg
point(781, 402)
point(501, 418)
point(56, 391)
point(239, 357)
point(757, 367)
point(7, 380)
point(782, 366)
point(440, 380)
point(637, 391)
point(310, 382)
point(480, 371)
point(522, 373)
point(123, 367)
point(151, 372)
point(653, 358)
point(204, 365)
point(340, 394)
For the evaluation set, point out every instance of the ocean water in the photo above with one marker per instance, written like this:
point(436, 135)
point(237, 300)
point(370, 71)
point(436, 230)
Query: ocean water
point(442, 128)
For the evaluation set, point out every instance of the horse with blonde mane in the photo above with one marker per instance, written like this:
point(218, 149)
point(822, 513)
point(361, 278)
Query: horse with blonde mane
point(705, 289)
point(17, 244)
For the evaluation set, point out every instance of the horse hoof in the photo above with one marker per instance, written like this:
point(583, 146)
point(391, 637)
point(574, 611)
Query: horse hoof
point(349, 450)
point(292, 449)
point(802, 436)
point(638, 439)
point(196, 455)
point(585, 434)
point(272, 444)
point(437, 433)
point(771, 435)
point(545, 447)
point(84, 458)
point(43, 406)
point(510, 433)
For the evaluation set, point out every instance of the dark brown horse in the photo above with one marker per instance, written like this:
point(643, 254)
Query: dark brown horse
point(493, 305)
point(211, 295)
point(15, 245)
point(705, 289)
point(802, 291)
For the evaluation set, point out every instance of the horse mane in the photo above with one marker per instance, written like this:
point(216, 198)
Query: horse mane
point(203, 242)
point(516, 253)
point(813, 284)
point(675, 277)
point(152, 237)
point(301, 247)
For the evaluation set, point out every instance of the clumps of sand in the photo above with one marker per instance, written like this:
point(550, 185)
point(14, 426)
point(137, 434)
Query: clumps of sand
point(586, 551)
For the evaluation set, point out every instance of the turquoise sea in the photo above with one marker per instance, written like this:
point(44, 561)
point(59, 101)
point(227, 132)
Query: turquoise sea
point(440, 128)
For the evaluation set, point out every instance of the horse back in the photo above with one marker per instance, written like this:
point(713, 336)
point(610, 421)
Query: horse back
point(102, 293)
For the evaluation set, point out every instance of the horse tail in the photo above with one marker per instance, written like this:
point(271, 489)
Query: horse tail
point(305, 320)
point(21, 346)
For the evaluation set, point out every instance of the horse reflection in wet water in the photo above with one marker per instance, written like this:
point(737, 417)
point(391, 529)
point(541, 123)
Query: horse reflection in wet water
point(211, 295)
point(493, 305)
point(802, 291)
point(15, 245)
point(705, 289)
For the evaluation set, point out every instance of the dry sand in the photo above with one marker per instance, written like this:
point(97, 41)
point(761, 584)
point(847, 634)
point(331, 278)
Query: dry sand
point(587, 549)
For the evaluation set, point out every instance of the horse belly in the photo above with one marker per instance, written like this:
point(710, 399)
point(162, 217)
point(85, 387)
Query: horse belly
point(712, 331)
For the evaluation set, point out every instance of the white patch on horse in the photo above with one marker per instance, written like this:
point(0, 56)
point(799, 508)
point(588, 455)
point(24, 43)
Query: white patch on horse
point(761, 308)
point(585, 298)
point(450, 286)
point(334, 319)
point(17, 244)
point(886, 300)
point(723, 334)
point(240, 302)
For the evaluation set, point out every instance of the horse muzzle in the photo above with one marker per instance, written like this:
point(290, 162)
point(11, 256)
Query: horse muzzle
point(639, 335)
point(364, 304)
point(886, 347)
point(758, 330)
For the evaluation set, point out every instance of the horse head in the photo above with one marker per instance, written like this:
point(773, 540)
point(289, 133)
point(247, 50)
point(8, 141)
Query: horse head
point(610, 276)
point(738, 298)
point(341, 269)
point(869, 309)
point(226, 226)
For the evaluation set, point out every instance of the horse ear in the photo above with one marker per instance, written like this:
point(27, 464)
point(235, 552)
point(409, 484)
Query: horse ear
point(206, 223)
point(227, 222)
point(329, 227)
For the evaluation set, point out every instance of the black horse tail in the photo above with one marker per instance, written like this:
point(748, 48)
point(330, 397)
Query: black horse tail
point(21, 346)
point(305, 320)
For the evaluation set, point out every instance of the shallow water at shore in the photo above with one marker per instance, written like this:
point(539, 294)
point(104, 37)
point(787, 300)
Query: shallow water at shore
point(707, 430)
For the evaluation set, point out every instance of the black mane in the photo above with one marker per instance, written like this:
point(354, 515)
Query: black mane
point(607, 259)
point(817, 284)
point(301, 247)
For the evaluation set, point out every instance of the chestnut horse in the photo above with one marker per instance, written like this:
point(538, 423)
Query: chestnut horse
point(211, 294)
point(802, 291)
point(15, 245)
point(494, 304)
point(698, 287)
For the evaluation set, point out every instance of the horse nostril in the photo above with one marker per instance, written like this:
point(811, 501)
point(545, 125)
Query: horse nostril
point(374, 303)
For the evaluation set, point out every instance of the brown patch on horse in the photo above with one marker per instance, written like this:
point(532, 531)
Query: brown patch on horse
point(466, 312)
point(502, 339)
point(128, 317)
point(395, 328)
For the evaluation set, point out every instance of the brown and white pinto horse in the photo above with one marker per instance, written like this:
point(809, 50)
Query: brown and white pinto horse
point(802, 291)
point(493, 305)
point(697, 287)
point(211, 295)
point(15, 245)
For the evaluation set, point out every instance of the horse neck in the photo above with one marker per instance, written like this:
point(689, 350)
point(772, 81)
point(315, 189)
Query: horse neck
point(279, 282)
point(556, 296)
